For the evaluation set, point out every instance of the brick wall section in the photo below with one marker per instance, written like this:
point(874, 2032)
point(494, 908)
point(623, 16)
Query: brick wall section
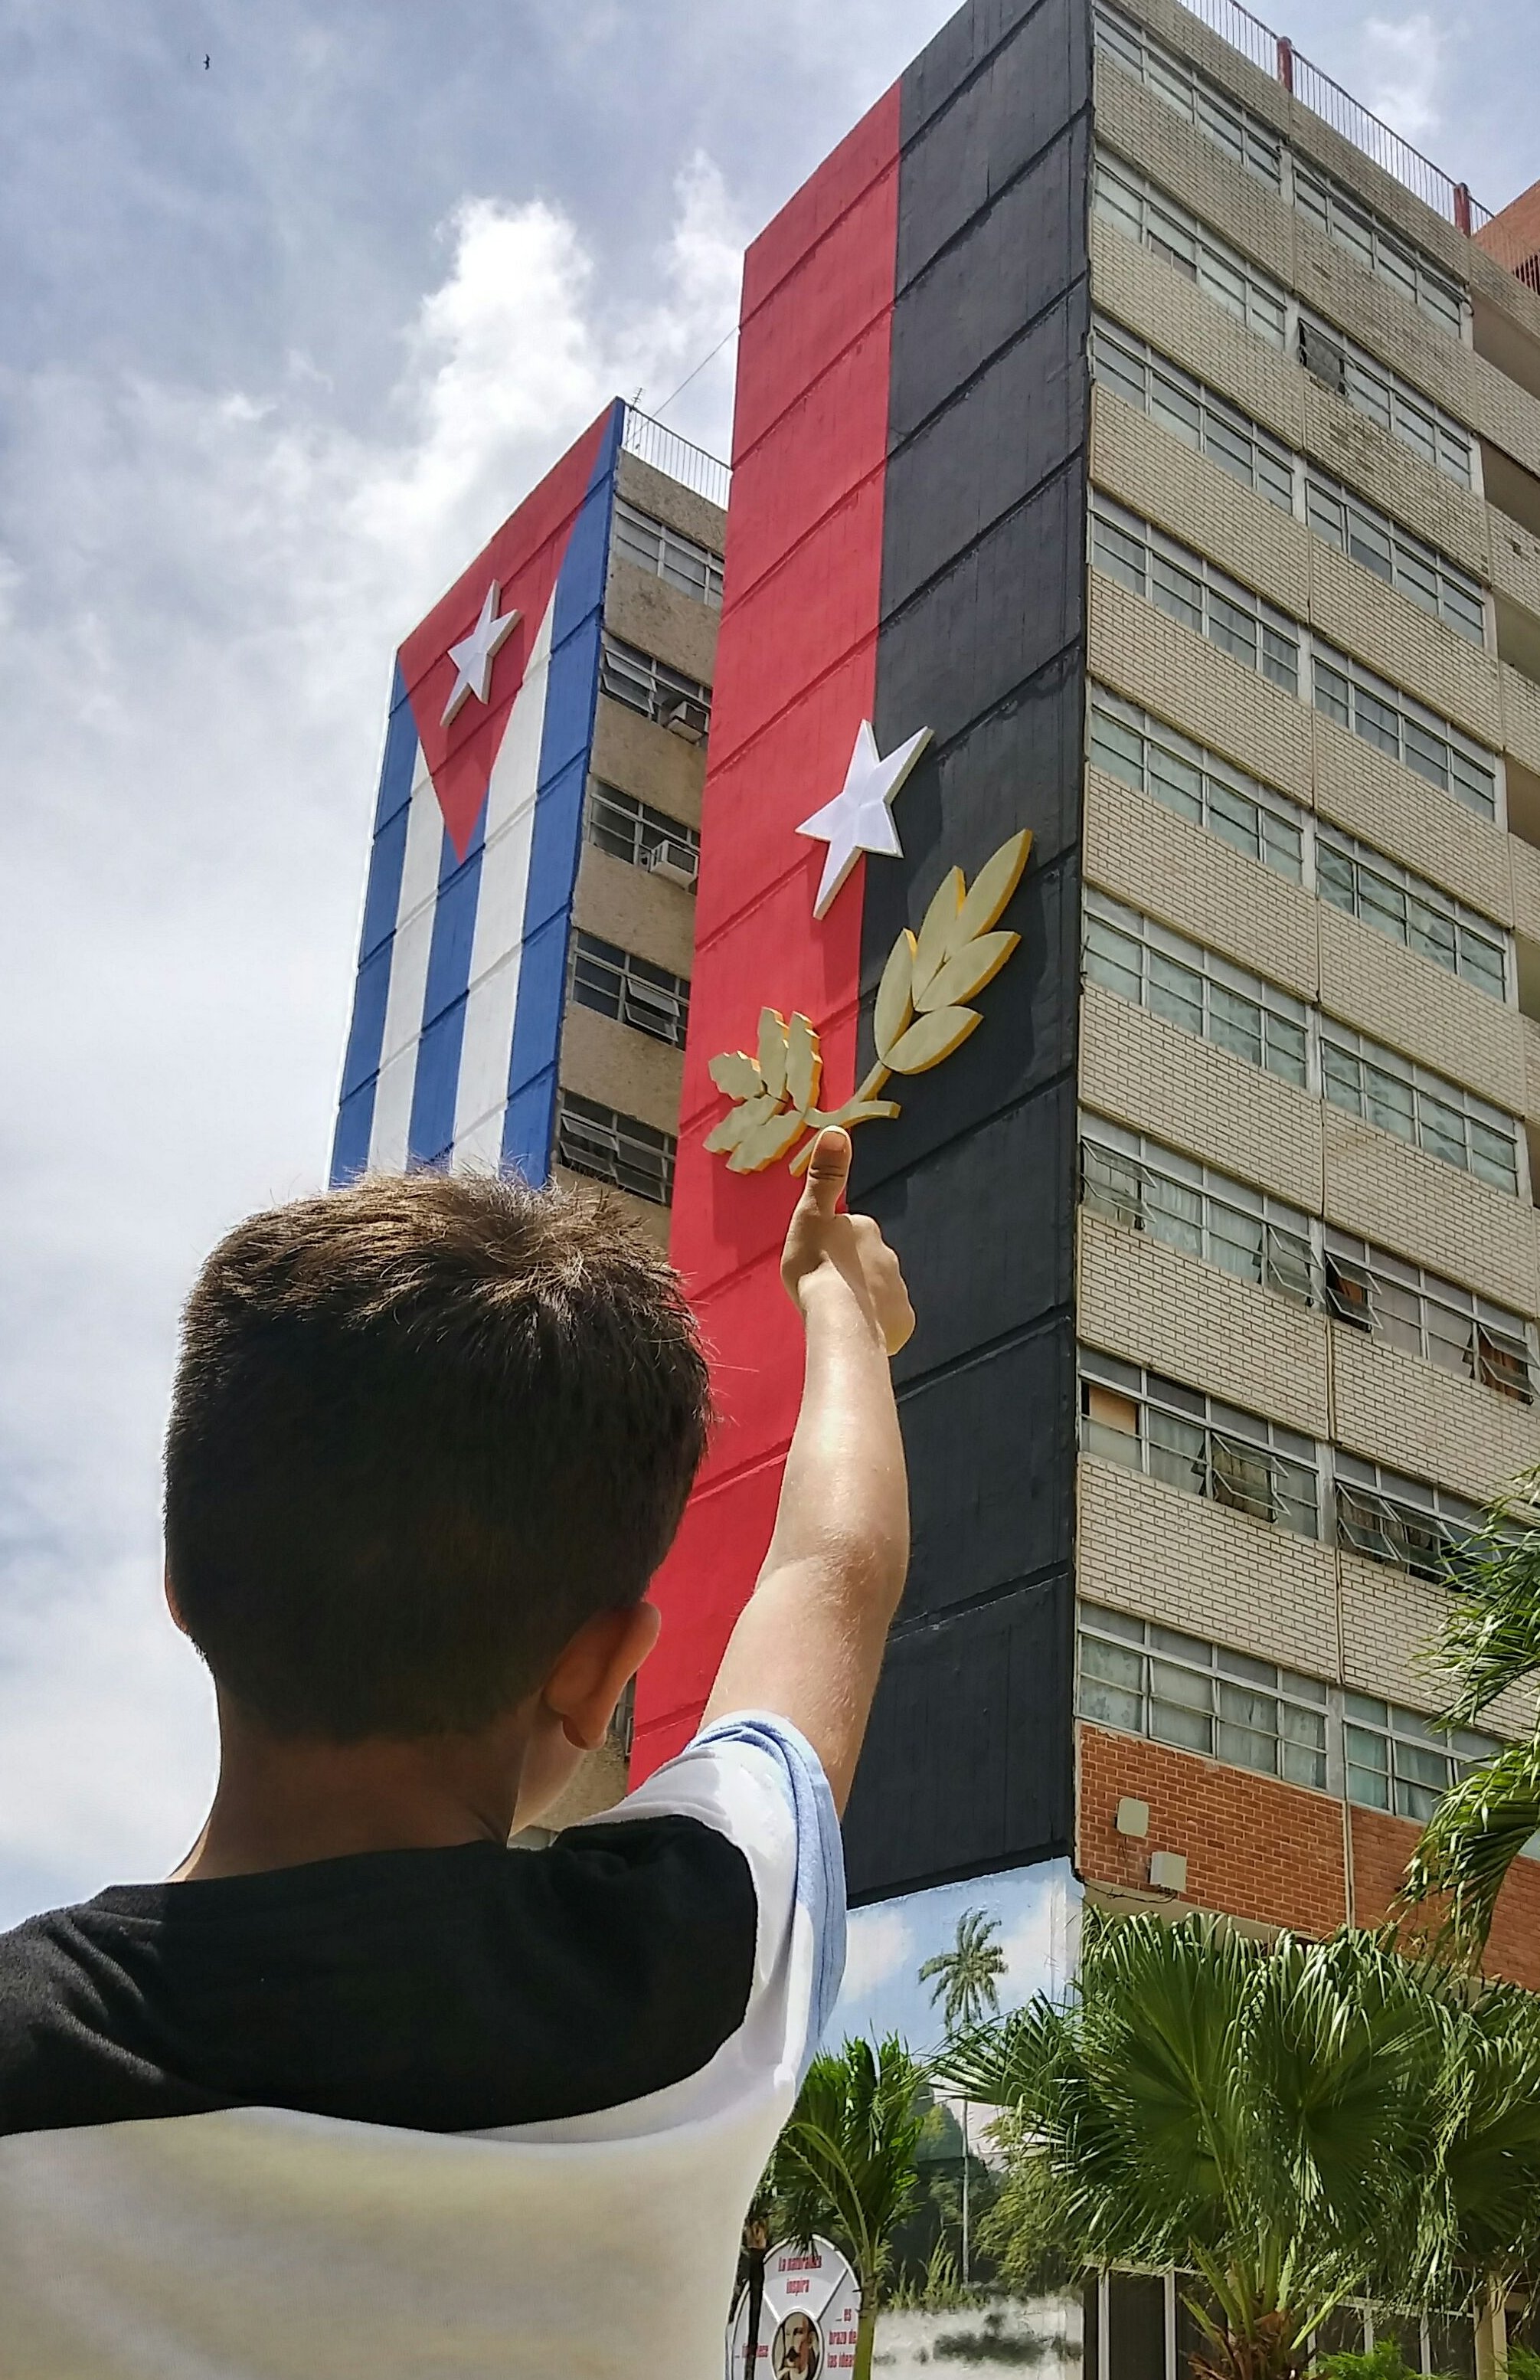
point(1414, 1005)
point(1139, 653)
point(1144, 1072)
point(1381, 1847)
point(1390, 1621)
point(1254, 1847)
point(1267, 1852)
point(1532, 1068)
point(1137, 849)
point(1396, 1408)
point(1153, 1305)
point(1151, 1549)
point(1524, 867)
point(1180, 676)
point(1156, 474)
point(1426, 1210)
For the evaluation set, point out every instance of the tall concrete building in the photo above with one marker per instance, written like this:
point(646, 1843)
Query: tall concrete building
point(1110, 416)
point(1134, 448)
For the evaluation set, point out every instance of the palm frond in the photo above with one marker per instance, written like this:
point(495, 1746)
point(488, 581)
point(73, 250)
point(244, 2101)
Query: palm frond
point(1490, 1640)
point(1470, 1843)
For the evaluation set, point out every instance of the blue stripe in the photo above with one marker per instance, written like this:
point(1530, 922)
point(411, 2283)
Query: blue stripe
point(436, 1080)
point(567, 735)
point(381, 903)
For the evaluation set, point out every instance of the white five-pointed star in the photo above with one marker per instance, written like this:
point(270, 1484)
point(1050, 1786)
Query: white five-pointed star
point(860, 816)
point(472, 656)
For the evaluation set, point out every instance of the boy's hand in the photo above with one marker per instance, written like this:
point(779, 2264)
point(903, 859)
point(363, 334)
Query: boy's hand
point(825, 1248)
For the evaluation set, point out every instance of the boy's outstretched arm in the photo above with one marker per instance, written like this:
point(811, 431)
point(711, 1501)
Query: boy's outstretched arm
point(808, 1643)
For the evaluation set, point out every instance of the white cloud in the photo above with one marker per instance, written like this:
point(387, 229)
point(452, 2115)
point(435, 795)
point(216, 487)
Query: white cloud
point(204, 594)
point(1402, 67)
point(880, 1945)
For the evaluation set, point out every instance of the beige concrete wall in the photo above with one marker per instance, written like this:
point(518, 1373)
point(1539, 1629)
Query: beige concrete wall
point(667, 500)
point(643, 759)
point(647, 611)
point(641, 912)
point(1428, 1211)
point(620, 1067)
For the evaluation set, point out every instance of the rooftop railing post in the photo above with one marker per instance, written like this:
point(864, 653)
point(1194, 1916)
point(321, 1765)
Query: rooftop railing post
point(1286, 62)
point(1462, 209)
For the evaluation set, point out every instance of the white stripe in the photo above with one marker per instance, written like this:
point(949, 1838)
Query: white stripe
point(482, 1091)
point(414, 935)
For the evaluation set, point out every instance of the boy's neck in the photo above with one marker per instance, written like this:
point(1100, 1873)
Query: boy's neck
point(286, 1802)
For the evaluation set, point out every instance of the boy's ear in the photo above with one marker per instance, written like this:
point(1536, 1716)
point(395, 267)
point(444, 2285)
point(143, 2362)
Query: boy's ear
point(171, 1603)
point(595, 1669)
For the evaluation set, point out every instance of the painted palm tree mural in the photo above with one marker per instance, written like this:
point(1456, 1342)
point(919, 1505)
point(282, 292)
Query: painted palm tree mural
point(965, 1983)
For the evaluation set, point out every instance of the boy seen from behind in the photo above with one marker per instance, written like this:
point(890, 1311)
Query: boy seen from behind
point(361, 2091)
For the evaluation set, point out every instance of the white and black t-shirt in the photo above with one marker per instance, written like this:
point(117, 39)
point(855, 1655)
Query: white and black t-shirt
point(413, 2114)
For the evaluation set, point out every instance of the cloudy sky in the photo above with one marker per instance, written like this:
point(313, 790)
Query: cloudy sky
point(285, 337)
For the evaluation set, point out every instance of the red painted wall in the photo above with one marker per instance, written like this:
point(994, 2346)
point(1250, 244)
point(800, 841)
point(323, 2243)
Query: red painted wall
point(794, 677)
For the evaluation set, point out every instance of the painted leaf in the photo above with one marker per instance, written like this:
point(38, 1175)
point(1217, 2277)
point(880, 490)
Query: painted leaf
point(772, 1050)
point(935, 930)
point(975, 964)
point(765, 1144)
point(894, 1003)
point(932, 1038)
point(736, 1073)
point(992, 887)
point(804, 1065)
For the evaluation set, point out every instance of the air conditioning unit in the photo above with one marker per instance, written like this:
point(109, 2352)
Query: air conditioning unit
point(678, 863)
point(686, 718)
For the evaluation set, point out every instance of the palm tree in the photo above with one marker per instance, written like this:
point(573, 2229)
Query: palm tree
point(1298, 2123)
point(845, 2164)
point(965, 1981)
point(1490, 1642)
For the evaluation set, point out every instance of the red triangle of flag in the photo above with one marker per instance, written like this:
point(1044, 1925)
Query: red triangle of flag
point(525, 558)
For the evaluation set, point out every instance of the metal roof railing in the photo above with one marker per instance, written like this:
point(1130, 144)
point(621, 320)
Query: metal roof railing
point(1276, 55)
point(652, 441)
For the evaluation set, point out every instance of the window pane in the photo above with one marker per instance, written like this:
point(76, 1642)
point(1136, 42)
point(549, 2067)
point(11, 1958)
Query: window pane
point(1286, 1048)
point(1117, 748)
point(1122, 556)
point(1111, 1706)
point(1336, 878)
point(1176, 591)
point(1235, 1023)
point(1113, 958)
point(1236, 1242)
point(1387, 1102)
point(1115, 1665)
point(1441, 1130)
point(1175, 991)
point(1176, 782)
point(1237, 820)
point(1173, 1212)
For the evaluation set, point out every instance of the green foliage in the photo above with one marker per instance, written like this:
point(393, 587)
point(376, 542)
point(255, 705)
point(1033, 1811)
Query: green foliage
point(845, 2164)
point(1297, 2122)
point(1383, 2362)
point(1490, 1642)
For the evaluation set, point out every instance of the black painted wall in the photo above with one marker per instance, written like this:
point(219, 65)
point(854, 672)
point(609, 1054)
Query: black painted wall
point(969, 1764)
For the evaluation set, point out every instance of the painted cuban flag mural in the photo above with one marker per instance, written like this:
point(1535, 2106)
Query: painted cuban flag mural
point(456, 1012)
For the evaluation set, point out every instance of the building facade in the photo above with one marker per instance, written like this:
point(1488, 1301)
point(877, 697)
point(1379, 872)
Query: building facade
point(1106, 413)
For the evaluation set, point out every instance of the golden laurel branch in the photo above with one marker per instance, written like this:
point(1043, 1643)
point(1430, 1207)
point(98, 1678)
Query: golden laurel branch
point(921, 1016)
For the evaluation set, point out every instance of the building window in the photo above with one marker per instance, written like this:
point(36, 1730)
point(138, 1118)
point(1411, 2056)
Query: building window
point(1404, 1522)
point(1146, 215)
point(1366, 236)
point(619, 1149)
point(653, 546)
point(647, 685)
point(1400, 727)
point(1191, 589)
point(1198, 1444)
point(1248, 141)
point(1133, 1181)
point(1439, 1117)
point(1143, 377)
point(1387, 896)
point(1416, 570)
point(629, 830)
point(1170, 1688)
point(1137, 1181)
point(1373, 389)
point(1156, 760)
point(617, 983)
point(1195, 988)
point(1145, 1680)
point(1372, 1291)
point(1393, 1760)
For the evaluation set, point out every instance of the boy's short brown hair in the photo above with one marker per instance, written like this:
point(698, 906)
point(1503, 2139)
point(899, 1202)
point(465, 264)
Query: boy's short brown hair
point(421, 1431)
